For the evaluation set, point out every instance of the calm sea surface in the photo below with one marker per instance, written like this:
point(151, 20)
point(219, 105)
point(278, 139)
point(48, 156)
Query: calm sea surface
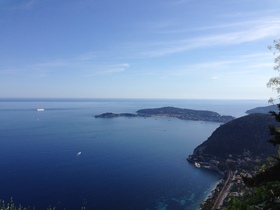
point(124, 163)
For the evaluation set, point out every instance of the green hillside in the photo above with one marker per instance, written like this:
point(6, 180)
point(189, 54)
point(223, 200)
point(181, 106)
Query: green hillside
point(250, 132)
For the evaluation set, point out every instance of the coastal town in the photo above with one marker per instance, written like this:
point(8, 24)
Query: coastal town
point(231, 169)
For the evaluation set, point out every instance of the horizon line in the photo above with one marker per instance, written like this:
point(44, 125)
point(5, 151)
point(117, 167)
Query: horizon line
point(121, 98)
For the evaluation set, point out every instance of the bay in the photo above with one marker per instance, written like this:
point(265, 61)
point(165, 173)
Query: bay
point(124, 163)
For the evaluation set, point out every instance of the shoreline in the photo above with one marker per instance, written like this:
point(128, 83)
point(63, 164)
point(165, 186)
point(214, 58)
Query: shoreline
point(211, 190)
point(173, 112)
point(206, 194)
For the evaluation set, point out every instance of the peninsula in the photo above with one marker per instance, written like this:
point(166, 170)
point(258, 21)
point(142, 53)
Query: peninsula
point(263, 110)
point(236, 149)
point(185, 114)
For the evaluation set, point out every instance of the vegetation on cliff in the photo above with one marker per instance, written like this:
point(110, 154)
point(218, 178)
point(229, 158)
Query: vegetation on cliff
point(185, 114)
point(12, 206)
point(263, 110)
point(265, 186)
point(248, 133)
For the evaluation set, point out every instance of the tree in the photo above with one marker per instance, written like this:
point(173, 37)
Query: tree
point(274, 131)
point(266, 184)
point(272, 173)
point(274, 82)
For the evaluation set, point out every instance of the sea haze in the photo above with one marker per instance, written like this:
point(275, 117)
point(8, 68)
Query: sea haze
point(65, 157)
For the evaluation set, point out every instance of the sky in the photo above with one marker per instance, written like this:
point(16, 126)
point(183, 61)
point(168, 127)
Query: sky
point(158, 49)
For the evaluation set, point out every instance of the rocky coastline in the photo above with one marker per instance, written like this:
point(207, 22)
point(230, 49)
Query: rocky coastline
point(185, 114)
point(236, 149)
point(113, 115)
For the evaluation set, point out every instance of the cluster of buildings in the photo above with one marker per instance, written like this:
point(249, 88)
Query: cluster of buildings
point(232, 169)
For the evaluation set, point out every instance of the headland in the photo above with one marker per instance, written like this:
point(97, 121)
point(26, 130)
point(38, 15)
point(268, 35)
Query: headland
point(185, 114)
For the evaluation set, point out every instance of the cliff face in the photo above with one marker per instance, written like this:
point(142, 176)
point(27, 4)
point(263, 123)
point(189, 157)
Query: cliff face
point(246, 133)
point(263, 110)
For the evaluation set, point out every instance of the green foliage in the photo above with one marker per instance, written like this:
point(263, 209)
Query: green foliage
point(274, 82)
point(263, 197)
point(265, 193)
point(252, 135)
point(274, 131)
point(12, 206)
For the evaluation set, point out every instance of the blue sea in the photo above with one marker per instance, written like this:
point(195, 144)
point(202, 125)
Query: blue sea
point(67, 158)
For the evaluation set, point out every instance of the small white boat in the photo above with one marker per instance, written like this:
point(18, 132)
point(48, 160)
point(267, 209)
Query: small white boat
point(79, 153)
point(40, 110)
point(196, 164)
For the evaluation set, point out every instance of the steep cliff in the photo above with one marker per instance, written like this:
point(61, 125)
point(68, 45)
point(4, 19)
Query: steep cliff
point(250, 132)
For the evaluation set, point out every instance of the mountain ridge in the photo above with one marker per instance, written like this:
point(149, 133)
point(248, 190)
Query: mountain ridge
point(248, 133)
point(185, 114)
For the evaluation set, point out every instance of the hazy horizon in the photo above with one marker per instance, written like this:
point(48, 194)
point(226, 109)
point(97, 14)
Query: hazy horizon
point(77, 98)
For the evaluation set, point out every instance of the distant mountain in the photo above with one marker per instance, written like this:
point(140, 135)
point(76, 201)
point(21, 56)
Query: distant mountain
point(263, 110)
point(185, 114)
point(113, 115)
point(250, 132)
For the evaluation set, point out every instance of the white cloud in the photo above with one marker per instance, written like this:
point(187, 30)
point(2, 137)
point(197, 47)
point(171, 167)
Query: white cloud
point(86, 57)
point(115, 68)
point(106, 69)
point(56, 63)
point(251, 31)
point(215, 77)
point(247, 65)
point(180, 1)
point(25, 5)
